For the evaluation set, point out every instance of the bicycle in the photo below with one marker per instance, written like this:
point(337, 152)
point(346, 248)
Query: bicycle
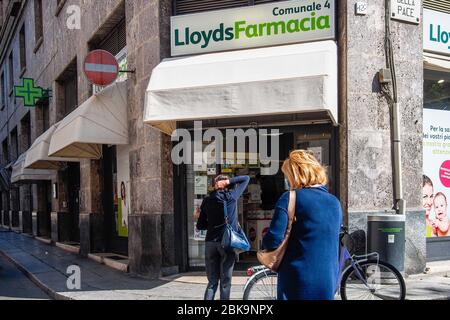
point(362, 277)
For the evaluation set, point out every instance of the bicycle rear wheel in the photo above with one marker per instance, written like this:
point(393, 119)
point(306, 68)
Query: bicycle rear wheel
point(372, 280)
point(262, 287)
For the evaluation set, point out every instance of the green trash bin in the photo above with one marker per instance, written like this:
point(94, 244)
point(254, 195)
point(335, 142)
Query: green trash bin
point(386, 236)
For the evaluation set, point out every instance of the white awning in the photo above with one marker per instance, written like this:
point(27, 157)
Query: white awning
point(37, 156)
point(276, 80)
point(102, 119)
point(436, 62)
point(22, 175)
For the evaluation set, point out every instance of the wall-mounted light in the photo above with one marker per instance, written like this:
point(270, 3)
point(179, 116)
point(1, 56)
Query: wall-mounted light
point(441, 81)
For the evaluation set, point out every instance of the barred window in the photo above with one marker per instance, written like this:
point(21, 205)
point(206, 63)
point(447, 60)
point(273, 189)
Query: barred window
point(23, 50)
point(38, 20)
point(116, 40)
point(437, 5)
point(193, 6)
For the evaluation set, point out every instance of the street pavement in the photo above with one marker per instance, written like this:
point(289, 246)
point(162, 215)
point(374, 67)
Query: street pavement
point(47, 266)
point(14, 285)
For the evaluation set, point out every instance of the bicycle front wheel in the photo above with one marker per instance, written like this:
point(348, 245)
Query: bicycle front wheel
point(262, 287)
point(372, 280)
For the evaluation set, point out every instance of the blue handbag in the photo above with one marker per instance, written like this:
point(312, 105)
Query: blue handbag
point(234, 240)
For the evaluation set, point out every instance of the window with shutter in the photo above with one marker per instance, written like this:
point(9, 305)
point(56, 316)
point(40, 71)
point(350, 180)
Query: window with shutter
point(437, 5)
point(116, 40)
point(68, 89)
point(2, 91)
point(23, 54)
point(192, 6)
point(5, 152)
point(14, 145)
point(25, 133)
point(264, 1)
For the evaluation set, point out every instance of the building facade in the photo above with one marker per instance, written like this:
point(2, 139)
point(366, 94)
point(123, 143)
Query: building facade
point(91, 169)
point(68, 209)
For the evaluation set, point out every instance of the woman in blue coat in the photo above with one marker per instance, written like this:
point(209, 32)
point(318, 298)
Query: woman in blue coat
point(309, 270)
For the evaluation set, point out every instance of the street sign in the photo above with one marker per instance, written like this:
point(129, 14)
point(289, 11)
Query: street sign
point(29, 92)
point(101, 67)
point(406, 10)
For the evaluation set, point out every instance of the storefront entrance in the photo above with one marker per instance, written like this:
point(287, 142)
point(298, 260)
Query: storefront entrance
point(43, 217)
point(256, 206)
point(114, 241)
point(73, 182)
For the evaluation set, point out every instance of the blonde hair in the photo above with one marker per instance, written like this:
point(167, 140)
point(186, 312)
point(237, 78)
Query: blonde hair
point(303, 170)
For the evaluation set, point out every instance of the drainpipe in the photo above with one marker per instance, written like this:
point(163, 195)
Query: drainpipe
point(342, 157)
point(400, 203)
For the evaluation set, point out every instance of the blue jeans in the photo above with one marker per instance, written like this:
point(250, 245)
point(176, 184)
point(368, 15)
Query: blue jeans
point(219, 267)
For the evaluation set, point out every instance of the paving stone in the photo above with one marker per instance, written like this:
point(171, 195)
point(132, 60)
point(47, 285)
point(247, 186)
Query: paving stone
point(99, 282)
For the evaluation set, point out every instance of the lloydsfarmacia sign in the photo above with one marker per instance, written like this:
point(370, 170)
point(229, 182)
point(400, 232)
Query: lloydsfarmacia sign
point(436, 32)
point(250, 27)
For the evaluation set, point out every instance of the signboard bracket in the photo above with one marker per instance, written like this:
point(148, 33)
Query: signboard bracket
point(127, 71)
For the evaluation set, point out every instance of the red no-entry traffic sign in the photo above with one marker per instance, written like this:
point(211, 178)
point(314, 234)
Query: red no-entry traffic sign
point(101, 67)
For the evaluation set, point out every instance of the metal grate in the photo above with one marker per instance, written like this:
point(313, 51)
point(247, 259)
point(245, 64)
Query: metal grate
point(438, 5)
point(266, 1)
point(192, 6)
point(116, 40)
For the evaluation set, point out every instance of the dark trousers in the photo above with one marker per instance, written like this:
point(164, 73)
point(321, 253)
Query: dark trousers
point(219, 266)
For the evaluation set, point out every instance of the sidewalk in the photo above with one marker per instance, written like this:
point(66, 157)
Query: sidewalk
point(46, 266)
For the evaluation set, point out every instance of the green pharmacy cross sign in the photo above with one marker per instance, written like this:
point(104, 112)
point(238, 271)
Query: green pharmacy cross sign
point(29, 92)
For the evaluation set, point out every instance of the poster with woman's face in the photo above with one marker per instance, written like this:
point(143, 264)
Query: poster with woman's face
point(123, 187)
point(436, 178)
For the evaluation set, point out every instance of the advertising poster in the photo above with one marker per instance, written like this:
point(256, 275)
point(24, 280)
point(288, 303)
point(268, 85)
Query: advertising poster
point(436, 164)
point(201, 185)
point(199, 235)
point(317, 151)
point(123, 187)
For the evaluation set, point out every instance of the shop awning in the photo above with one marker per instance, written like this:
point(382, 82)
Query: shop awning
point(37, 156)
point(22, 175)
point(276, 80)
point(102, 119)
point(436, 62)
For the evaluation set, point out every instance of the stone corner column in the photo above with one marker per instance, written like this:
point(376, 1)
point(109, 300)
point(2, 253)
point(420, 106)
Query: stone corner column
point(169, 265)
point(27, 222)
point(144, 245)
point(34, 224)
point(10, 218)
point(91, 233)
point(91, 219)
point(21, 218)
point(64, 226)
point(54, 216)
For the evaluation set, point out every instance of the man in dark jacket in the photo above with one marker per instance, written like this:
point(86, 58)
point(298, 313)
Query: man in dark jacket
point(220, 264)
